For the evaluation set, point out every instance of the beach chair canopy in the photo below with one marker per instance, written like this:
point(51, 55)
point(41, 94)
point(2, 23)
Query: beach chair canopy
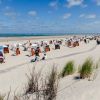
point(15, 45)
point(20, 44)
point(34, 46)
point(1, 54)
point(1, 48)
point(45, 42)
point(5, 46)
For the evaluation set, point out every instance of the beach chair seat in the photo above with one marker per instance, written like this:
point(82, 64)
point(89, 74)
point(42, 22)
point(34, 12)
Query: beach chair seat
point(77, 43)
point(50, 42)
point(6, 50)
point(47, 48)
point(32, 52)
point(74, 44)
point(57, 47)
point(17, 51)
point(98, 42)
point(30, 44)
point(37, 52)
point(38, 49)
point(1, 59)
point(69, 44)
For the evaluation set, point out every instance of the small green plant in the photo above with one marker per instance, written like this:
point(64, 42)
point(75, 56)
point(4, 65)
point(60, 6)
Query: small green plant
point(68, 69)
point(86, 69)
point(1, 97)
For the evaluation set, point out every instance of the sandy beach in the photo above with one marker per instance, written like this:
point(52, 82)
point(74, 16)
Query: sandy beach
point(13, 71)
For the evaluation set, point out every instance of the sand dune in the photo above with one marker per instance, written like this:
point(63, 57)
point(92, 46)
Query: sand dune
point(12, 72)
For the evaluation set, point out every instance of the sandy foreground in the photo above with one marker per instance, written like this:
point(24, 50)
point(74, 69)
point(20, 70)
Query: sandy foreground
point(13, 71)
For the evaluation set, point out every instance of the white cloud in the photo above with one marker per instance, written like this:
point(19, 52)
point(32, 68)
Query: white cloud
point(66, 16)
point(90, 16)
point(84, 5)
point(96, 22)
point(49, 12)
point(11, 14)
point(53, 4)
point(82, 15)
point(74, 3)
point(7, 8)
point(32, 13)
point(98, 2)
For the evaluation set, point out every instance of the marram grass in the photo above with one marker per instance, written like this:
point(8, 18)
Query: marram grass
point(87, 69)
point(68, 69)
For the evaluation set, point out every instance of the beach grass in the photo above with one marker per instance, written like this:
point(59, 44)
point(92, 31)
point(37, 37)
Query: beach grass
point(1, 97)
point(51, 85)
point(86, 69)
point(43, 88)
point(68, 69)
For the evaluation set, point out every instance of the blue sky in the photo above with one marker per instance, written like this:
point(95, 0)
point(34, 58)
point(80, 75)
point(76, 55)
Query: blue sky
point(49, 16)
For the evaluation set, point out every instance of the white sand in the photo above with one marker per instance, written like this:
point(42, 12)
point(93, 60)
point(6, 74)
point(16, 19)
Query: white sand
point(12, 72)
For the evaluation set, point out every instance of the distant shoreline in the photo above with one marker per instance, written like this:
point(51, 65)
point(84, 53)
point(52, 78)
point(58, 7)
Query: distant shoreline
point(4, 39)
point(4, 35)
point(19, 37)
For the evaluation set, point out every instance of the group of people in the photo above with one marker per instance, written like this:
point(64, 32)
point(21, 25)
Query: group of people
point(45, 45)
point(37, 56)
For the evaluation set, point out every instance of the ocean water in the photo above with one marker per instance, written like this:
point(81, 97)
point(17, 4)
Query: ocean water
point(42, 34)
point(28, 35)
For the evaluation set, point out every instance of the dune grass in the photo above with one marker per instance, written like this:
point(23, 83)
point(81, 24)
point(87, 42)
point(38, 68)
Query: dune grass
point(45, 88)
point(1, 97)
point(68, 69)
point(42, 87)
point(87, 69)
point(51, 85)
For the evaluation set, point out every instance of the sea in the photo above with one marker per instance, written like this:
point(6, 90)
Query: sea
point(40, 34)
point(29, 34)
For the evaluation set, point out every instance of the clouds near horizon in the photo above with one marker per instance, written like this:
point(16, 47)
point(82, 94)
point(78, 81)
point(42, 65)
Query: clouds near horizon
point(49, 16)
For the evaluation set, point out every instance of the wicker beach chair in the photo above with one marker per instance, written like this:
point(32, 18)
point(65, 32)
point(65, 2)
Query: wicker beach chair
point(1, 57)
point(57, 46)
point(47, 48)
point(6, 50)
point(17, 51)
point(32, 52)
point(69, 44)
point(77, 43)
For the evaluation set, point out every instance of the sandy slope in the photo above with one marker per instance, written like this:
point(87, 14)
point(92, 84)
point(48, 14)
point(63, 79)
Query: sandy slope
point(12, 73)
